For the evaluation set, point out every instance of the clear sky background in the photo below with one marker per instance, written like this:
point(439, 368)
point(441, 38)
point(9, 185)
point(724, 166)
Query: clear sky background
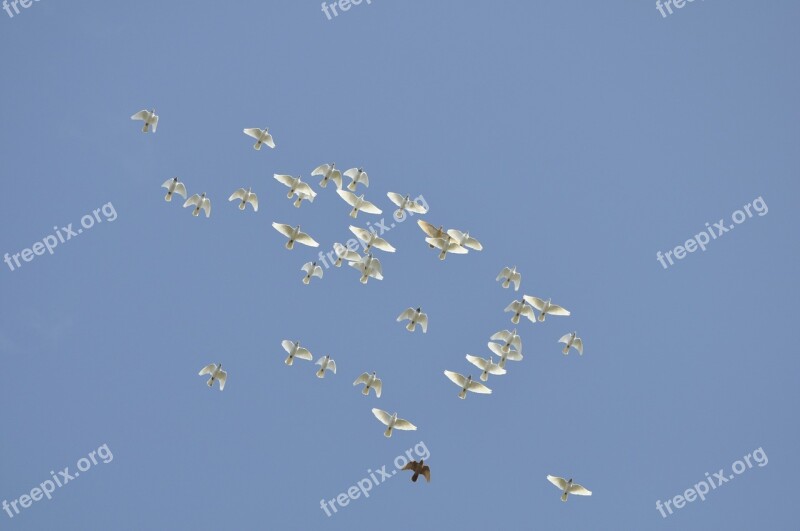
point(573, 139)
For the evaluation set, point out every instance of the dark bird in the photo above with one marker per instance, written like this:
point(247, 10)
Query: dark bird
point(419, 468)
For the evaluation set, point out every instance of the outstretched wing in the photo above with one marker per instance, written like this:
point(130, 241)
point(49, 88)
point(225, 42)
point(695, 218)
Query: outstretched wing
point(416, 208)
point(477, 387)
point(423, 322)
point(322, 169)
point(580, 490)
point(382, 416)
point(383, 245)
point(397, 199)
point(403, 424)
point(307, 267)
point(478, 362)
point(505, 273)
point(253, 132)
point(180, 189)
point(305, 239)
point(369, 208)
point(578, 344)
point(428, 229)
point(554, 309)
point(407, 314)
point(332, 366)
point(287, 345)
point(561, 483)
point(456, 378)
point(565, 338)
point(303, 354)
point(222, 377)
point(536, 302)
point(349, 197)
point(141, 115)
point(286, 230)
point(288, 180)
point(377, 385)
point(206, 205)
point(239, 194)
point(253, 200)
point(192, 201)
point(208, 369)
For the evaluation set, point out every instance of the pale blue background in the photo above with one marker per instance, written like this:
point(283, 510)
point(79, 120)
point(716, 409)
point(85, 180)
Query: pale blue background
point(574, 139)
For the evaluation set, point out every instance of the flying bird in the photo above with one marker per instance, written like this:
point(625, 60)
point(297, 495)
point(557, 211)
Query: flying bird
point(244, 197)
point(370, 381)
point(217, 374)
point(369, 267)
point(199, 201)
point(358, 175)
point(328, 173)
point(467, 384)
point(174, 186)
point(431, 231)
point(343, 253)
point(419, 468)
point(295, 184)
point(392, 421)
point(405, 204)
point(510, 275)
point(521, 308)
point(312, 270)
point(294, 235)
point(295, 351)
point(568, 487)
point(509, 339)
point(358, 203)
point(446, 245)
point(262, 136)
point(488, 366)
point(545, 307)
point(301, 196)
point(325, 363)
point(415, 317)
point(513, 355)
point(372, 240)
point(148, 117)
point(571, 340)
point(464, 240)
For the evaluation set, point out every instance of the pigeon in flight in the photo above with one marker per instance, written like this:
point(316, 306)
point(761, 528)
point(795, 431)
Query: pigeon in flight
point(148, 117)
point(174, 186)
point(328, 173)
point(295, 184)
point(467, 384)
point(343, 253)
point(262, 136)
point(199, 201)
point(295, 351)
point(392, 422)
point(568, 487)
point(521, 308)
point(545, 307)
point(358, 175)
point(405, 204)
point(312, 270)
point(513, 355)
point(369, 267)
point(488, 366)
point(464, 240)
point(302, 196)
point(358, 203)
point(415, 317)
point(431, 231)
point(370, 381)
point(244, 197)
point(372, 240)
point(446, 245)
point(510, 275)
point(294, 235)
point(509, 339)
point(325, 363)
point(419, 468)
point(217, 374)
point(571, 340)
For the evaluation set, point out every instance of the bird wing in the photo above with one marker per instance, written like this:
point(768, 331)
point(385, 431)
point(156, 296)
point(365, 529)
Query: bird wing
point(305, 239)
point(497, 350)
point(206, 205)
point(516, 278)
point(378, 386)
point(352, 172)
point(222, 376)
point(536, 302)
point(494, 368)
point(439, 243)
point(167, 183)
point(513, 307)
point(320, 361)
point(472, 243)
point(303, 354)
point(456, 378)
point(397, 199)
point(565, 338)
point(407, 314)
point(477, 387)
point(578, 344)
point(383, 245)
point(240, 194)
point(349, 197)
point(180, 189)
point(287, 345)
point(369, 208)
point(477, 361)
point(457, 235)
point(454, 248)
point(514, 355)
point(208, 369)
point(332, 366)
point(554, 309)
point(286, 230)
point(307, 267)
point(253, 132)
point(411, 465)
point(288, 180)
point(403, 424)
point(505, 273)
point(364, 378)
point(426, 471)
point(364, 179)
point(268, 140)
point(192, 201)
point(561, 483)
point(527, 311)
point(141, 115)
point(423, 322)
point(304, 189)
point(382, 416)
point(428, 229)
point(317, 272)
point(336, 176)
point(361, 234)
point(416, 208)
point(502, 335)
point(580, 490)
point(322, 169)
point(375, 269)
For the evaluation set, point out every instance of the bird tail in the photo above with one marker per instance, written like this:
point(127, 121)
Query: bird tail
point(463, 394)
point(351, 186)
point(144, 127)
point(354, 213)
point(442, 254)
point(364, 278)
point(168, 197)
point(414, 477)
point(542, 316)
point(321, 373)
point(210, 382)
point(306, 279)
point(410, 326)
point(388, 432)
point(289, 244)
point(196, 212)
point(323, 183)
point(298, 201)
point(484, 376)
point(502, 363)
point(566, 350)
point(506, 283)
point(289, 360)
point(564, 497)
point(515, 319)
point(241, 205)
point(290, 194)
point(257, 146)
point(365, 391)
point(338, 262)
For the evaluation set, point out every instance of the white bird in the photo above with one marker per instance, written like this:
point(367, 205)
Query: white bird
point(431, 231)
point(392, 421)
point(415, 317)
point(513, 355)
point(510, 275)
point(488, 366)
point(173, 186)
point(295, 351)
point(244, 197)
point(465, 240)
point(344, 253)
point(405, 204)
point(545, 307)
point(217, 374)
point(262, 136)
point(294, 235)
point(372, 240)
point(295, 184)
point(369, 267)
point(370, 381)
point(467, 384)
point(358, 175)
point(571, 340)
point(312, 270)
point(358, 203)
point(446, 245)
point(148, 117)
point(509, 339)
point(301, 196)
point(568, 487)
point(521, 308)
point(199, 201)
point(328, 173)
point(325, 363)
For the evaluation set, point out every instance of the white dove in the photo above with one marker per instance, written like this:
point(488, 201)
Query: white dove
point(488, 366)
point(545, 307)
point(431, 231)
point(262, 136)
point(369, 267)
point(325, 363)
point(173, 186)
point(372, 240)
point(295, 184)
point(446, 245)
point(295, 351)
point(358, 175)
point(510, 275)
point(370, 381)
point(217, 374)
point(148, 117)
point(312, 270)
point(513, 355)
point(521, 308)
point(294, 235)
point(343, 253)
point(301, 196)
point(244, 197)
point(199, 201)
point(328, 173)
point(467, 384)
point(415, 317)
point(464, 240)
point(568, 487)
point(509, 339)
point(405, 204)
point(392, 421)
point(571, 340)
point(358, 203)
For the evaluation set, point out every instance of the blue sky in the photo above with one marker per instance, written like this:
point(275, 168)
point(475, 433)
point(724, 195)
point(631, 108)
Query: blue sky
point(575, 140)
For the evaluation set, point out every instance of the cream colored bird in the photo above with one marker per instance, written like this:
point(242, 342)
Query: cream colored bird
point(295, 184)
point(358, 176)
point(372, 240)
point(294, 235)
point(509, 338)
point(545, 307)
point(509, 275)
point(344, 253)
point(521, 308)
point(216, 373)
point(414, 317)
point(464, 240)
point(405, 204)
point(370, 381)
point(488, 366)
point(446, 245)
point(244, 197)
point(510, 354)
point(358, 203)
point(150, 118)
point(431, 231)
point(199, 202)
point(325, 363)
point(312, 270)
point(262, 136)
point(571, 340)
point(568, 487)
point(302, 196)
point(467, 384)
point(369, 266)
point(295, 351)
point(328, 173)
point(174, 186)
point(392, 421)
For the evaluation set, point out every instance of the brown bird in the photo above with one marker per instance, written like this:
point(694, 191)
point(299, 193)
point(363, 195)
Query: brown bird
point(419, 468)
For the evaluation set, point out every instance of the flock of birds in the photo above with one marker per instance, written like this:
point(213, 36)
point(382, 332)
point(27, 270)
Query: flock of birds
point(505, 344)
